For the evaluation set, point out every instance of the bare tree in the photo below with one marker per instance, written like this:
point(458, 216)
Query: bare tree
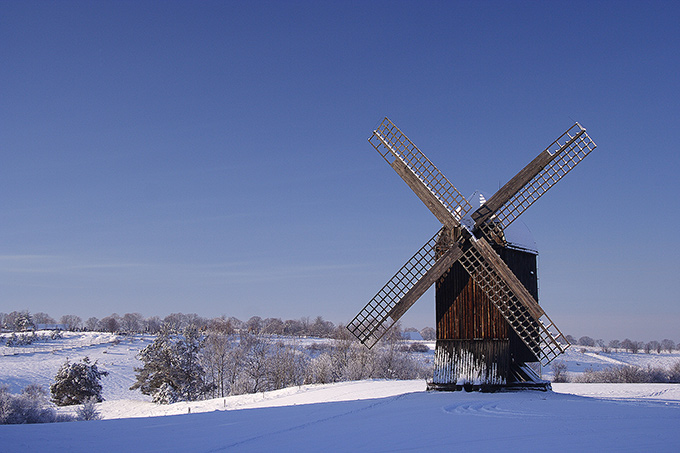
point(152, 324)
point(221, 325)
point(653, 346)
point(293, 327)
point(586, 341)
point(43, 318)
point(254, 364)
point(321, 328)
point(559, 369)
point(668, 345)
point(629, 345)
point(272, 326)
point(217, 360)
point(91, 324)
point(254, 325)
point(180, 321)
point(428, 334)
point(286, 367)
point(636, 346)
point(131, 322)
point(236, 323)
point(602, 345)
point(110, 323)
point(72, 322)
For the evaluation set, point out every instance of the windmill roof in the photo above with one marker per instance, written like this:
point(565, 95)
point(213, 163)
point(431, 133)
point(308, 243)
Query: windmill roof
point(517, 234)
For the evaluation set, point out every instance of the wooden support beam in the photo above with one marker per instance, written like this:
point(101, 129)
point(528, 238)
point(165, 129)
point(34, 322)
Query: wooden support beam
point(518, 182)
point(440, 211)
point(442, 265)
point(504, 272)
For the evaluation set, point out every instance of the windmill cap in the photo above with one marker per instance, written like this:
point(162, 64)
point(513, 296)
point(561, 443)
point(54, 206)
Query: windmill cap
point(517, 234)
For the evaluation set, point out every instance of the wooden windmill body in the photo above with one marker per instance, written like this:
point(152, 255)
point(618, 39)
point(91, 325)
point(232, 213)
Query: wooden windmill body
point(490, 327)
point(476, 347)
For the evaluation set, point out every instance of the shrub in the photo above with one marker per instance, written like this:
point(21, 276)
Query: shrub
point(559, 369)
point(28, 407)
point(632, 374)
point(88, 411)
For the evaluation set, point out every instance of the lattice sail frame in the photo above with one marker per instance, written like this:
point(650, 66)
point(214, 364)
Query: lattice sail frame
point(392, 144)
point(374, 320)
point(540, 334)
point(570, 149)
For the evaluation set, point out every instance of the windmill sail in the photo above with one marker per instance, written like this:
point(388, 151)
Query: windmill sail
point(536, 178)
point(402, 291)
point(406, 159)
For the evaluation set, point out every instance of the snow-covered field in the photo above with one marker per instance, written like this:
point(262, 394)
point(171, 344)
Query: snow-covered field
point(351, 416)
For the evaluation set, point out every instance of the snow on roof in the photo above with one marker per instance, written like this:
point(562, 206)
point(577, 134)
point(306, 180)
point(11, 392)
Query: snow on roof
point(412, 336)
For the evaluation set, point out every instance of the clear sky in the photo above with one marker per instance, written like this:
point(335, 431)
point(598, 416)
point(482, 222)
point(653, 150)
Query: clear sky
point(212, 157)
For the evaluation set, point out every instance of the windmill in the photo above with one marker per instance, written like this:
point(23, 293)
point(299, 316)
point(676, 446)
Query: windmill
point(490, 328)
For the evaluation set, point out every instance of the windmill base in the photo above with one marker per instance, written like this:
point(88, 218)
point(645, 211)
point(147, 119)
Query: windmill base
point(543, 386)
point(481, 365)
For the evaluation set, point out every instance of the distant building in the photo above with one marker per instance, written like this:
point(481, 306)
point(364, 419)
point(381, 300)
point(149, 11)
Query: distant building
point(412, 336)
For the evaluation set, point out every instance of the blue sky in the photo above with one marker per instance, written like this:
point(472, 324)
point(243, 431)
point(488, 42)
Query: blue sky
point(212, 157)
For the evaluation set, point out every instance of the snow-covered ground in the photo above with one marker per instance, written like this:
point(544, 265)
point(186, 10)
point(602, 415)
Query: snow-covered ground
point(350, 416)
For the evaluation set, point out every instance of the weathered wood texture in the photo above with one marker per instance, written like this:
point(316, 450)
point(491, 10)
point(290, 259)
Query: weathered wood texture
point(464, 312)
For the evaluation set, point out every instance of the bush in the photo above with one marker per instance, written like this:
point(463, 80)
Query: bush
point(559, 369)
point(632, 374)
point(75, 383)
point(29, 407)
point(88, 411)
point(414, 347)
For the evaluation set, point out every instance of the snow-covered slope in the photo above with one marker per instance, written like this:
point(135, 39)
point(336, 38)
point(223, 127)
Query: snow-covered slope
point(399, 417)
point(350, 416)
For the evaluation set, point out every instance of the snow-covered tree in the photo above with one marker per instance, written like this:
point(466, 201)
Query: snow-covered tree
point(152, 324)
point(172, 370)
point(77, 382)
point(24, 321)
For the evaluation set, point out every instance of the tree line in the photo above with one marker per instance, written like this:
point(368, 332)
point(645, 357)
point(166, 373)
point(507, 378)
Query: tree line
point(627, 344)
point(136, 323)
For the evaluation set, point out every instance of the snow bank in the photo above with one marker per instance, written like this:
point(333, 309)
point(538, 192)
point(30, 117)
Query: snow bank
point(380, 416)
